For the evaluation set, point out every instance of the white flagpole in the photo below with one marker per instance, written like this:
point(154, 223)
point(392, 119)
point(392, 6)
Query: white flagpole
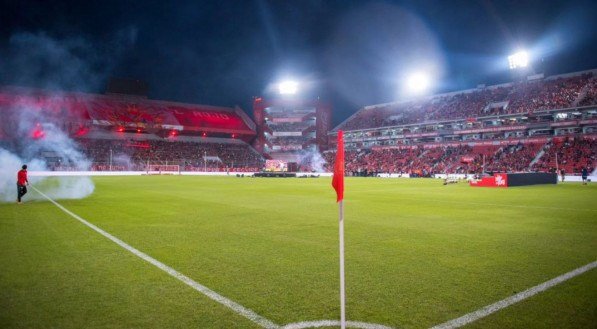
point(558, 168)
point(342, 292)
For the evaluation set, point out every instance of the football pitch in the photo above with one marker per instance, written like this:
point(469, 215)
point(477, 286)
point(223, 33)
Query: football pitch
point(252, 252)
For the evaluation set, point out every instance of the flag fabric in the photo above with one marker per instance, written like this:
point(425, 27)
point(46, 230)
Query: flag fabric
point(338, 179)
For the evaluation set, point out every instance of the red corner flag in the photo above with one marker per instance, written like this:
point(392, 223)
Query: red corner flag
point(338, 179)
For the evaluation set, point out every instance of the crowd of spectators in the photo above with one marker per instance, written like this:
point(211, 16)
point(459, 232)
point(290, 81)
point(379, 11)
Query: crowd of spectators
point(464, 159)
point(573, 154)
point(372, 117)
point(131, 154)
point(457, 160)
point(590, 96)
point(519, 97)
point(548, 94)
point(465, 105)
point(513, 158)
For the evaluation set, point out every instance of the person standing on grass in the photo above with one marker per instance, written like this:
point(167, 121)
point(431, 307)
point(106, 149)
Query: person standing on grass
point(22, 183)
point(584, 174)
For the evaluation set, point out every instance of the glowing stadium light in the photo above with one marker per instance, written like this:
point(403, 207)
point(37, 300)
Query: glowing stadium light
point(418, 83)
point(518, 60)
point(81, 131)
point(288, 87)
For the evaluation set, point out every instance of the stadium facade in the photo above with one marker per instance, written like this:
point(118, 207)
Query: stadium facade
point(538, 124)
point(289, 128)
point(118, 131)
point(519, 126)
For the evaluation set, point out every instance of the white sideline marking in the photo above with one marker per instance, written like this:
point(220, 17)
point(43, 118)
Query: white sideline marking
point(489, 309)
point(333, 323)
point(237, 308)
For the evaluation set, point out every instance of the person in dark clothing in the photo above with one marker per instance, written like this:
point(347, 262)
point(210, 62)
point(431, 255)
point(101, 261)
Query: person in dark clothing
point(584, 174)
point(22, 183)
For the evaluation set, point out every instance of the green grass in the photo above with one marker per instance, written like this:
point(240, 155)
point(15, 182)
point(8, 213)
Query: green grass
point(417, 253)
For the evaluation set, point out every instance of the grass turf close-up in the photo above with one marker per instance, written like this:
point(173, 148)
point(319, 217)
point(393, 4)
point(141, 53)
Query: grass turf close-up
point(418, 253)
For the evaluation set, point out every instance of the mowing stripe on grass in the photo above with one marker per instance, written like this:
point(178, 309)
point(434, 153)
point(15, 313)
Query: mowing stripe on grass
point(499, 205)
point(234, 306)
point(489, 309)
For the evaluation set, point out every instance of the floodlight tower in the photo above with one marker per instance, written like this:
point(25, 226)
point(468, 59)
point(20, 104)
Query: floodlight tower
point(518, 60)
point(418, 83)
point(519, 64)
point(290, 122)
point(288, 87)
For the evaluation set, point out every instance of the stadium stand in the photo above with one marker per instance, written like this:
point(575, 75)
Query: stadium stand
point(190, 156)
point(572, 155)
point(541, 124)
point(513, 98)
point(426, 160)
point(548, 94)
point(514, 127)
point(135, 131)
point(589, 94)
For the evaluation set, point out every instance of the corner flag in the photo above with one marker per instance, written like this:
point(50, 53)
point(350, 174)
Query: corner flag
point(338, 179)
point(338, 184)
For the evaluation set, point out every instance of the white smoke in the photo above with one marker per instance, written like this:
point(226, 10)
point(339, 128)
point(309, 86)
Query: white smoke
point(313, 160)
point(56, 188)
point(121, 159)
point(55, 144)
point(54, 141)
point(56, 64)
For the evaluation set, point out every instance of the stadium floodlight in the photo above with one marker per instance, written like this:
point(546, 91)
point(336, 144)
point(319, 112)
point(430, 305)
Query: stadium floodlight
point(288, 87)
point(418, 83)
point(518, 60)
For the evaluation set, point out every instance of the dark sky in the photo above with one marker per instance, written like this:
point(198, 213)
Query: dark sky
point(352, 53)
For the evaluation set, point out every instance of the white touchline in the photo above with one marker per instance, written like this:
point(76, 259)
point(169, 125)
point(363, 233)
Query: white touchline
point(234, 306)
point(489, 309)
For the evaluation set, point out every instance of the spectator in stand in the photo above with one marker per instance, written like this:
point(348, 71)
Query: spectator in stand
point(190, 155)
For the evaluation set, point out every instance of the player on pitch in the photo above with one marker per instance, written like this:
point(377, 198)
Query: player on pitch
point(22, 183)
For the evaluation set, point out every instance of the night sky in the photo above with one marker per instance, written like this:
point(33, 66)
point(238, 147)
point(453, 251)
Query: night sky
point(351, 53)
